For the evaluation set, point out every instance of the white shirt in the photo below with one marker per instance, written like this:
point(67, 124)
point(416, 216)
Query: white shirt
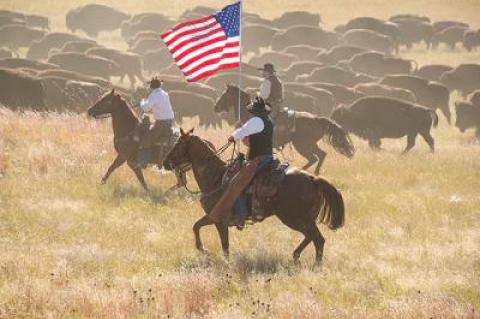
point(252, 126)
point(159, 103)
point(265, 88)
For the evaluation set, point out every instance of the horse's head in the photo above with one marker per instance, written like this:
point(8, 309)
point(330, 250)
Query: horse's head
point(105, 106)
point(179, 155)
point(187, 150)
point(226, 100)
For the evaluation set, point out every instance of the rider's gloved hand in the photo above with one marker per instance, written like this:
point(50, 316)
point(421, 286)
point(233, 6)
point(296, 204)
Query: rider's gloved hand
point(231, 139)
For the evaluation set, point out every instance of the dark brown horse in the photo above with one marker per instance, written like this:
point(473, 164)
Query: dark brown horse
point(302, 199)
point(309, 129)
point(124, 122)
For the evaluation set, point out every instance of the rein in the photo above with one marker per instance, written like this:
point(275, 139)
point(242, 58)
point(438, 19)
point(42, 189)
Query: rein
point(220, 151)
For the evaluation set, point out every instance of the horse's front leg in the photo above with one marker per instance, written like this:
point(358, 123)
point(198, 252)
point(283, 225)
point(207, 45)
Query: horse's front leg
point(116, 163)
point(204, 221)
point(222, 229)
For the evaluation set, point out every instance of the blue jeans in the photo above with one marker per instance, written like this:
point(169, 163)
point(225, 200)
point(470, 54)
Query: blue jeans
point(240, 207)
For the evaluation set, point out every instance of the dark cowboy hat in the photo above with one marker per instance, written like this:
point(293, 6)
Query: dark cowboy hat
point(268, 67)
point(155, 83)
point(259, 107)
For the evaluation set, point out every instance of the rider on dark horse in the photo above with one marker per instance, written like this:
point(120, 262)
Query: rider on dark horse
point(257, 133)
point(158, 102)
point(271, 89)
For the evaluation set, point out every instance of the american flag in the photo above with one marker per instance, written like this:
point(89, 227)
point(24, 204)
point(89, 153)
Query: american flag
point(204, 46)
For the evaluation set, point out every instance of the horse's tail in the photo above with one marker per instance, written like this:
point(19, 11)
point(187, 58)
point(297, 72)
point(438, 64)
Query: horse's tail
point(337, 137)
point(332, 211)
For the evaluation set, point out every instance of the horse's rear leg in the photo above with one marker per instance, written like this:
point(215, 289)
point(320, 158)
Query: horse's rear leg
point(320, 154)
point(139, 174)
point(204, 221)
point(319, 242)
point(298, 251)
point(223, 233)
point(117, 162)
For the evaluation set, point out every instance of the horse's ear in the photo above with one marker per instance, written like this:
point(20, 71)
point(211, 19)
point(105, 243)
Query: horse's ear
point(190, 131)
point(182, 132)
point(113, 91)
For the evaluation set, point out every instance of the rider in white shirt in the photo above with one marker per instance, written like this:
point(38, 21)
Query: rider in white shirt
point(158, 102)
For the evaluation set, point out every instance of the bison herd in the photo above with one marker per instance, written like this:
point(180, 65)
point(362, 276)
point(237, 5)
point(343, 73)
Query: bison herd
point(353, 73)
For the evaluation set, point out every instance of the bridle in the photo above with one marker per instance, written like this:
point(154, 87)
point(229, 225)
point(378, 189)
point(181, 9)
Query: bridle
point(184, 167)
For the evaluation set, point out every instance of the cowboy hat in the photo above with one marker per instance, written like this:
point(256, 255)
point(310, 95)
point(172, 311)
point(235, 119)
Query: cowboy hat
point(268, 67)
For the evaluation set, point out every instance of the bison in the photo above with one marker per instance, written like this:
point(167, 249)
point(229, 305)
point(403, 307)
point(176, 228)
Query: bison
point(468, 116)
point(450, 36)
point(377, 64)
point(428, 93)
point(432, 72)
point(471, 39)
point(130, 64)
point(369, 39)
point(19, 63)
point(385, 90)
point(294, 18)
point(339, 53)
point(465, 78)
point(94, 18)
point(39, 49)
point(20, 90)
point(297, 35)
point(373, 118)
point(19, 36)
point(86, 64)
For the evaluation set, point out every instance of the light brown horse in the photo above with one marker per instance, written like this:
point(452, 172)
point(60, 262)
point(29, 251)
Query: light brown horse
point(301, 201)
point(309, 129)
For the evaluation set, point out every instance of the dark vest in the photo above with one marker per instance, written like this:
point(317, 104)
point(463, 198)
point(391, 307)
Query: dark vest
point(276, 89)
point(261, 143)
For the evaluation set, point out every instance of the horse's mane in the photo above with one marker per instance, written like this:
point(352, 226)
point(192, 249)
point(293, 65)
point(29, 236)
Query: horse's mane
point(128, 109)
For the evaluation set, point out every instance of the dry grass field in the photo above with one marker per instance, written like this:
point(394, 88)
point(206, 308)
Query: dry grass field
point(72, 248)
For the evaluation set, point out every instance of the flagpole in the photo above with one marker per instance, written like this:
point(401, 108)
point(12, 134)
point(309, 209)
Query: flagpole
point(240, 67)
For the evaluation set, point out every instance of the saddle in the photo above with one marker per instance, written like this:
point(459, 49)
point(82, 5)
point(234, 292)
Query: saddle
point(262, 190)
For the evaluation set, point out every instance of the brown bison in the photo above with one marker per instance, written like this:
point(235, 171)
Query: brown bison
point(442, 25)
point(74, 76)
point(19, 63)
point(219, 80)
point(450, 36)
point(373, 24)
point(339, 53)
point(373, 118)
point(341, 93)
point(294, 18)
point(257, 36)
point(86, 64)
point(144, 45)
point(145, 22)
point(78, 46)
point(300, 68)
point(280, 60)
point(471, 39)
point(336, 75)
point(369, 39)
point(468, 116)
point(377, 64)
point(324, 100)
point(432, 72)
point(297, 35)
point(303, 52)
point(40, 48)
point(412, 31)
point(410, 16)
point(428, 93)
point(465, 78)
point(37, 21)
point(130, 64)
point(19, 36)
point(385, 90)
point(20, 90)
point(94, 18)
